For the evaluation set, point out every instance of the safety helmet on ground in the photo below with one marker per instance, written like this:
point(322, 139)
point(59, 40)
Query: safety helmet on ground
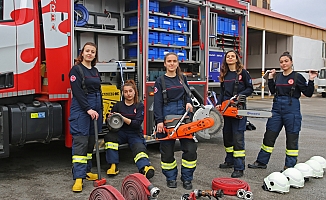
point(305, 170)
point(276, 182)
point(321, 160)
point(318, 170)
point(295, 177)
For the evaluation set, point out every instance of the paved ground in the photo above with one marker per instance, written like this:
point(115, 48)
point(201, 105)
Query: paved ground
point(39, 171)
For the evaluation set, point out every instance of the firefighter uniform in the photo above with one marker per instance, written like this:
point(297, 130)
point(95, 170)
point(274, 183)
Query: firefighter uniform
point(81, 124)
point(234, 128)
point(131, 134)
point(285, 112)
point(177, 99)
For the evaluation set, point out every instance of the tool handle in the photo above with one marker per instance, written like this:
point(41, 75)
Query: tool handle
point(97, 148)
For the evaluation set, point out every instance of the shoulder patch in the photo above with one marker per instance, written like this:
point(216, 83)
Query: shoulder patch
point(240, 77)
point(291, 81)
point(155, 90)
point(72, 78)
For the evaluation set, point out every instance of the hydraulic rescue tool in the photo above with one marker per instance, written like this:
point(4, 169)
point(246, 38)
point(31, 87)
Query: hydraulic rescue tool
point(205, 122)
point(100, 181)
point(203, 193)
point(236, 108)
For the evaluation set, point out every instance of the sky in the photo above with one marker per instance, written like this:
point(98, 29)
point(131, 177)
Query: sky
point(311, 11)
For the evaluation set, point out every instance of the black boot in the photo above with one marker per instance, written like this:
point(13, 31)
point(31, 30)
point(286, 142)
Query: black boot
point(257, 165)
point(226, 165)
point(186, 184)
point(237, 173)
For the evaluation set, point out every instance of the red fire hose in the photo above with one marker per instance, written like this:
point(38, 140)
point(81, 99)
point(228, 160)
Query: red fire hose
point(232, 187)
point(137, 187)
point(106, 192)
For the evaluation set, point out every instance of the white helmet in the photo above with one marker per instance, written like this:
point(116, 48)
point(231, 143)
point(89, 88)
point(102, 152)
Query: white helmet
point(295, 177)
point(321, 160)
point(318, 170)
point(305, 170)
point(276, 182)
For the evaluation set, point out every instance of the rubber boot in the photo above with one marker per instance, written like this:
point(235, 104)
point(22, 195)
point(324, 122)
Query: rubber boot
point(91, 177)
point(78, 186)
point(148, 171)
point(113, 170)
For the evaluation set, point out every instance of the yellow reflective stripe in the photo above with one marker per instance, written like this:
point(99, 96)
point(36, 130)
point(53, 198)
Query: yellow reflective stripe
point(140, 155)
point(241, 153)
point(292, 152)
point(111, 145)
point(169, 166)
point(189, 164)
point(267, 148)
point(228, 149)
point(79, 159)
point(89, 156)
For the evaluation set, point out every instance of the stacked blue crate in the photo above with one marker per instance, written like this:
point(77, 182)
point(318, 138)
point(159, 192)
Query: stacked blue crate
point(163, 51)
point(180, 40)
point(153, 37)
point(132, 52)
point(178, 10)
point(133, 37)
point(153, 21)
point(222, 25)
point(166, 23)
point(153, 53)
point(182, 54)
point(166, 38)
point(133, 21)
point(180, 25)
point(234, 27)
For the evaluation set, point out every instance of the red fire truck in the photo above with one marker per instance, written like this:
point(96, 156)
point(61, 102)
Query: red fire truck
point(41, 38)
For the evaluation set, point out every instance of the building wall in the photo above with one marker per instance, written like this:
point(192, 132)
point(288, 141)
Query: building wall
point(261, 3)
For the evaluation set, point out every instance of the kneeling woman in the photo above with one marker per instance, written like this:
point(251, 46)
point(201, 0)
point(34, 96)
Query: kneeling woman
point(131, 132)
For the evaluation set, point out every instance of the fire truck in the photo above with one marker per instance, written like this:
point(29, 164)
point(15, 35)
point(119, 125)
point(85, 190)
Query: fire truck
point(41, 38)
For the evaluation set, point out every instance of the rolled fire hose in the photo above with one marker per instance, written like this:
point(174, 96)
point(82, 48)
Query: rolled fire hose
point(105, 192)
point(137, 187)
point(233, 187)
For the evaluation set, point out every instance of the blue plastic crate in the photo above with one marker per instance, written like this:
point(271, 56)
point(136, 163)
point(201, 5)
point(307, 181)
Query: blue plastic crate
point(133, 5)
point(153, 37)
point(182, 54)
point(154, 5)
point(132, 37)
point(153, 21)
point(166, 23)
point(132, 52)
point(153, 53)
point(234, 29)
point(180, 25)
point(222, 26)
point(163, 51)
point(179, 10)
point(166, 38)
point(180, 40)
point(133, 21)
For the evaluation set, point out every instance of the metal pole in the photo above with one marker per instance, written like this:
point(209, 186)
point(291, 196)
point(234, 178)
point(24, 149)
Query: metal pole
point(263, 64)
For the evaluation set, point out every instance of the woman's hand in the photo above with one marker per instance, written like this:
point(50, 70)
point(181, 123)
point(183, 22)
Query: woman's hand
point(188, 105)
point(271, 74)
point(160, 128)
point(93, 114)
point(312, 75)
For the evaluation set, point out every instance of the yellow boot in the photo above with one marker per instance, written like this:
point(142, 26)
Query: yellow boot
point(91, 177)
point(113, 170)
point(78, 186)
point(149, 171)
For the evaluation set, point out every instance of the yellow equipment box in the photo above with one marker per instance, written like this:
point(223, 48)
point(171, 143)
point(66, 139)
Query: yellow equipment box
point(110, 96)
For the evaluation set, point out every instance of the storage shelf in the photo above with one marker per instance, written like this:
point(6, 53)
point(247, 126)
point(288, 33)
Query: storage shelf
point(103, 31)
point(159, 45)
point(169, 31)
point(113, 67)
point(171, 16)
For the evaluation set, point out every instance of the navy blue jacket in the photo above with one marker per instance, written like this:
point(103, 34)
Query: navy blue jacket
point(92, 83)
point(175, 92)
point(284, 84)
point(133, 112)
point(227, 86)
